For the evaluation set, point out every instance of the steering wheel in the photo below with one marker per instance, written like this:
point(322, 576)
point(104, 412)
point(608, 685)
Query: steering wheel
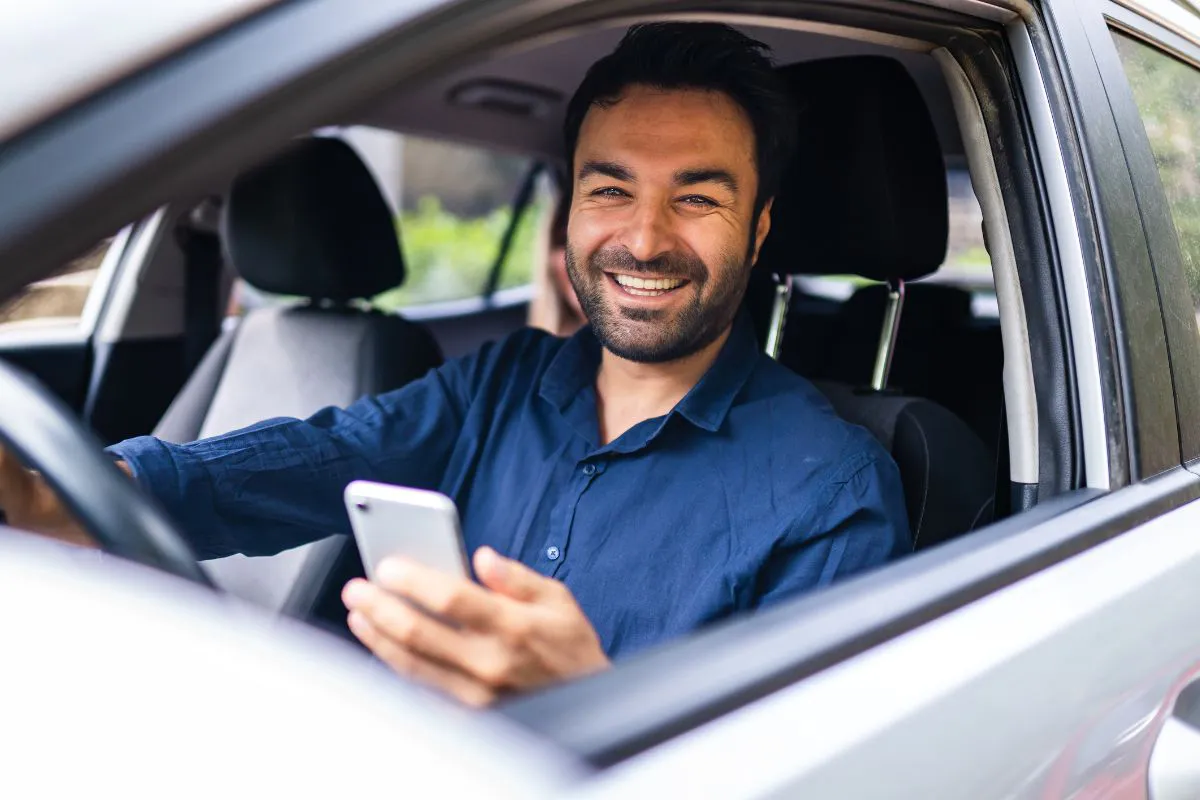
point(43, 432)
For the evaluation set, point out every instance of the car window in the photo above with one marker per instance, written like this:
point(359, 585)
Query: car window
point(1167, 92)
point(453, 203)
point(57, 301)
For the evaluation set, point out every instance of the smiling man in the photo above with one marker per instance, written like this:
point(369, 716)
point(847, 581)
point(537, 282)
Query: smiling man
point(650, 475)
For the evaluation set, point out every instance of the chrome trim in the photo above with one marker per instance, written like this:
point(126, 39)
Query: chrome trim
point(887, 336)
point(1167, 14)
point(779, 313)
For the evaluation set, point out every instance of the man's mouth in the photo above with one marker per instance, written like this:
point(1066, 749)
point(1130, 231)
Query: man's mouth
point(646, 287)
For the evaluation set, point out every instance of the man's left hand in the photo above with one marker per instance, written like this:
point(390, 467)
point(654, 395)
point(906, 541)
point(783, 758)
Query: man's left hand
point(520, 632)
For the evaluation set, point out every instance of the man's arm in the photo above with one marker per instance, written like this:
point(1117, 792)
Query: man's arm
point(277, 484)
point(861, 522)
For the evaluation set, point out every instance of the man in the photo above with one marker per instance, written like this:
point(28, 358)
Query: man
point(647, 476)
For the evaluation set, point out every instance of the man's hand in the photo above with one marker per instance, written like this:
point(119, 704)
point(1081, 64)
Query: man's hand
point(31, 505)
point(522, 631)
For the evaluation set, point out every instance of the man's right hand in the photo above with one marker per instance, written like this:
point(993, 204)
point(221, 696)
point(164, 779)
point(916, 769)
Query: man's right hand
point(30, 504)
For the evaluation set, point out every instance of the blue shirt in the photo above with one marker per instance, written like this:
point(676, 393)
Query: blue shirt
point(749, 491)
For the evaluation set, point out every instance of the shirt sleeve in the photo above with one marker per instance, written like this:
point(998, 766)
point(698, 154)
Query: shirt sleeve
point(278, 484)
point(860, 521)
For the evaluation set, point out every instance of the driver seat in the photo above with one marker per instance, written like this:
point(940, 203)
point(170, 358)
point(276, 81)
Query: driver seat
point(310, 223)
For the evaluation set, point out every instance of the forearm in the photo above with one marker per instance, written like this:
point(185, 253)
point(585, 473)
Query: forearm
point(255, 492)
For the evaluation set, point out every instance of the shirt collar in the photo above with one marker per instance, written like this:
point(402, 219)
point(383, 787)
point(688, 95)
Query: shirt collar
point(573, 369)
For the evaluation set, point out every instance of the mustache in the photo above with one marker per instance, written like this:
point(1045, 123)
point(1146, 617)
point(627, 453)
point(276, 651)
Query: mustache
point(670, 265)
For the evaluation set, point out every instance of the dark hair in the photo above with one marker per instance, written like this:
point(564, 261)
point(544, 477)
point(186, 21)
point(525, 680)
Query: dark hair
point(697, 55)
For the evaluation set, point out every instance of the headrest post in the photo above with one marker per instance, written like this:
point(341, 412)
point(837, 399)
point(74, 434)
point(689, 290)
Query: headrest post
point(887, 336)
point(779, 313)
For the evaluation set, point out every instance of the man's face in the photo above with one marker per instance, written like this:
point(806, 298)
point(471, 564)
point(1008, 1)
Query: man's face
point(661, 235)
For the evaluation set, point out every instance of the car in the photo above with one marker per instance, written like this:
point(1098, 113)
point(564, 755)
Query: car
point(987, 253)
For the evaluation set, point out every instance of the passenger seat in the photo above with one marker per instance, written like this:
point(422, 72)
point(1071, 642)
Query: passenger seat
point(866, 196)
point(312, 224)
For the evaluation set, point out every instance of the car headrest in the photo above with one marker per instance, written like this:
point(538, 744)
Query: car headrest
point(311, 222)
point(866, 192)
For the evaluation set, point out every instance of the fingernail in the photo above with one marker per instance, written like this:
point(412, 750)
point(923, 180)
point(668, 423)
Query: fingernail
point(355, 592)
point(488, 560)
point(356, 621)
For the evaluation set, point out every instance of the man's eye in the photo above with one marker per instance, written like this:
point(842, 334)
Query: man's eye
point(699, 200)
point(609, 191)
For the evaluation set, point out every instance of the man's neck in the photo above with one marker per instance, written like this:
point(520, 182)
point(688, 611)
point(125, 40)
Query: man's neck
point(628, 392)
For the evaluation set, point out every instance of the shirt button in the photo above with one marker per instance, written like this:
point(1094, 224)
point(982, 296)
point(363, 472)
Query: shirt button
point(553, 553)
point(589, 469)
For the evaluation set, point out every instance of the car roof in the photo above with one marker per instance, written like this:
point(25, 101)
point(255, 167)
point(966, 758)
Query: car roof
point(120, 677)
point(549, 68)
point(57, 53)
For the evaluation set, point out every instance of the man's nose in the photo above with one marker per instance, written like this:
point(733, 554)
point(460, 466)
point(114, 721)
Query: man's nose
point(648, 234)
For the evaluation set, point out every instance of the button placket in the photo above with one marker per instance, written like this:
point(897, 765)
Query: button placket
point(554, 552)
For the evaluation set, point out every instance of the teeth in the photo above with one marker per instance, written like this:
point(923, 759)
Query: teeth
point(654, 285)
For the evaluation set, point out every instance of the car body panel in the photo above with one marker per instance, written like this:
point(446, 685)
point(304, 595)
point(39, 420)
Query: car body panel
point(979, 703)
point(1055, 684)
point(130, 680)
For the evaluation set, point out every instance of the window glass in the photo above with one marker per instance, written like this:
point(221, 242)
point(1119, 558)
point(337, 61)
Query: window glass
point(1167, 92)
point(967, 261)
point(453, 204)
point(57, 301)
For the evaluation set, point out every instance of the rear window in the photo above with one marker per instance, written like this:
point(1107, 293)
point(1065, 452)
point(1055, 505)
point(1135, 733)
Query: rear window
point(453, 204)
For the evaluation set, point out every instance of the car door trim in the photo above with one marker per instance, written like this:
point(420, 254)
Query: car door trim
point(1020, 396)
point(1092, 407)
point(685, 684)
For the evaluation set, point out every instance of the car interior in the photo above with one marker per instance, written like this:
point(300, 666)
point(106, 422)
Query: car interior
point(854, 288)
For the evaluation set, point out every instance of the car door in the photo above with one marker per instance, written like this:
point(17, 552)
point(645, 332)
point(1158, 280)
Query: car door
point(1051, 655)
point(970, 670)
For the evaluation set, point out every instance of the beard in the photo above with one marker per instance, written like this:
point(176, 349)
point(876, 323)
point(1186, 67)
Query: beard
point(651, 335)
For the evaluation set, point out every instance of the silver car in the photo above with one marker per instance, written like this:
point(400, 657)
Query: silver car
point(1037, 381)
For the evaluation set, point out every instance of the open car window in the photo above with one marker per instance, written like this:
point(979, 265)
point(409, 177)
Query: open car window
point(454, 204)
point(57, 302)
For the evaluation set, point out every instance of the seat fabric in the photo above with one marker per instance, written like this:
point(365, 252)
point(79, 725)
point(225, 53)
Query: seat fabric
point(866, 195)
point(310, 223)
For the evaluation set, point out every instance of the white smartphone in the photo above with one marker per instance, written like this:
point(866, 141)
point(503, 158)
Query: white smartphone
point(399, 521)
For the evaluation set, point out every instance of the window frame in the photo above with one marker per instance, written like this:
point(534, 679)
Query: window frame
point(320, 50)
point(75, 330)
point(615, 716)
point(1143, 20)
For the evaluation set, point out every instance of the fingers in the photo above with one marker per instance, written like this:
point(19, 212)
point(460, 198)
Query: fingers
point(407, 626)
point(447, 596)
point(411, 664)
point(512, 578)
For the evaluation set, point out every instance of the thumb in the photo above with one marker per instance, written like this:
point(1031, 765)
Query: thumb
point(508, 577)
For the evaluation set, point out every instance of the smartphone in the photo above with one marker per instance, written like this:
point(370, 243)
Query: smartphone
point(399, 521)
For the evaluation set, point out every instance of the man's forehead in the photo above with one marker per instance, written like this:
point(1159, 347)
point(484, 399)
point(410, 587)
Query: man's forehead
point(668, 127)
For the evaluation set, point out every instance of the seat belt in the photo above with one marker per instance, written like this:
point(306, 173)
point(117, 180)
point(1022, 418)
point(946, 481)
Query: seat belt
point(201, 293)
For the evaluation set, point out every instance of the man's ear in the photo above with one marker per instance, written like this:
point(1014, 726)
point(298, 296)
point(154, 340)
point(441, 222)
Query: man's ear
point(762, 228)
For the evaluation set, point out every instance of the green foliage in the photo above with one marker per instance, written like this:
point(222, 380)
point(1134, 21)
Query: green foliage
point(448, 257)
point(1167, 92)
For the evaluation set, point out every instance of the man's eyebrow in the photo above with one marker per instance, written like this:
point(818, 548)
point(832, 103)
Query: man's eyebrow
point(690, 177)
point(609, 169)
